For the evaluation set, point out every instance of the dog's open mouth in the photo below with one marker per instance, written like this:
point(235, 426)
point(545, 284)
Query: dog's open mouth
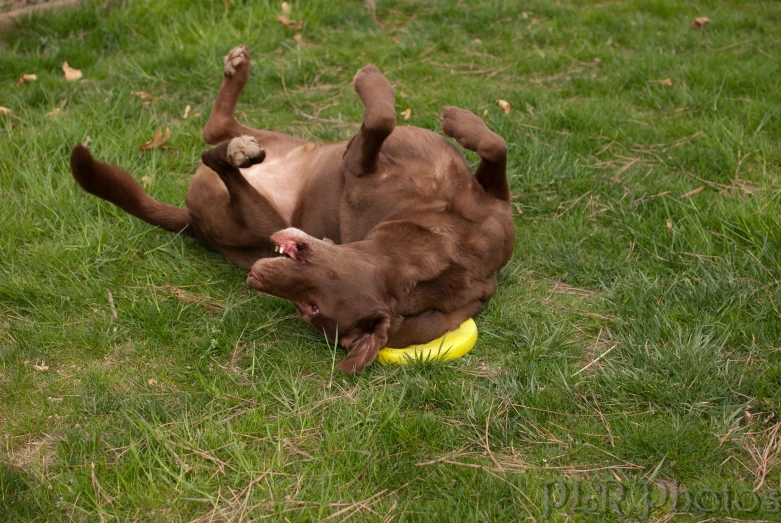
point(289, 248)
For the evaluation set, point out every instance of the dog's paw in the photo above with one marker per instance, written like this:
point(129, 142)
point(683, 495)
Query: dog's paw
point(235, 60)
point(369, 79)
point(459, 123)
point(376, 92)
point(244, 151)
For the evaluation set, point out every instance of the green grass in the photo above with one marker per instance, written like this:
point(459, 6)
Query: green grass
point(635, 335)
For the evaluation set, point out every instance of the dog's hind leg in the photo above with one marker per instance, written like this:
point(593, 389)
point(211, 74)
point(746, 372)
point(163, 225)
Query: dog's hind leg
point(470, 131)
point(379, 120)
point(222, 124)
point(117, 186)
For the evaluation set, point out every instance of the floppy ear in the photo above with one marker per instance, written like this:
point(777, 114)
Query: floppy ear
point(365, 350)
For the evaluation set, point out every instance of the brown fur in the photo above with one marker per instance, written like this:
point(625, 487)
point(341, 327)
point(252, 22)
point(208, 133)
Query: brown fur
point(387, 240)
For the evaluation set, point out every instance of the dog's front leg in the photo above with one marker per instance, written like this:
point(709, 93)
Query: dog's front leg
point(222, 124)
point(256, 219)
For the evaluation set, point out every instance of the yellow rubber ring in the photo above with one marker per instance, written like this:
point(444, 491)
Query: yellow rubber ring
point(452, 345)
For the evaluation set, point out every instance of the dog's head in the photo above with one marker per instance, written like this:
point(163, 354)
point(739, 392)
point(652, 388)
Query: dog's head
point(337, 289)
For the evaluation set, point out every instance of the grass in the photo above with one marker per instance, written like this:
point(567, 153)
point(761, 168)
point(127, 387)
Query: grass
point(634, 337)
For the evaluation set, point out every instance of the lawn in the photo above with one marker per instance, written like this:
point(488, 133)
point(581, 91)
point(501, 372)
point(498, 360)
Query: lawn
point(629, 365)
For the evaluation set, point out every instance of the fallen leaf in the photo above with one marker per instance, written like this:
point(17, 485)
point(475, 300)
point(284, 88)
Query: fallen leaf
point(407, 113)
point(71, 74)
point(285, 8)
point(700, 22)
point(298, 38)
point(669, 225)
point(152, 382)
point(525, 15)
point(158, 141)
point(86, 141)
point(666, 82)
point(504, 105)
point(4, 110)
point(143, 95)
point(296, 25)
point(42, 367)
point(186, 112)
point(485, 113)
point(27, 78)
point(147, 180)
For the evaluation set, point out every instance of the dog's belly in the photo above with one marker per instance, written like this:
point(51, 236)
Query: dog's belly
point(280, 179)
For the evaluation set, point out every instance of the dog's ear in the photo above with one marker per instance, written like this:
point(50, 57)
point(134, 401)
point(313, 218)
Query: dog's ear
point(364, 352)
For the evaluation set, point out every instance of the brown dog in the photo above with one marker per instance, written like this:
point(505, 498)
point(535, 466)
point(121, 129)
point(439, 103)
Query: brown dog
point(411, 238)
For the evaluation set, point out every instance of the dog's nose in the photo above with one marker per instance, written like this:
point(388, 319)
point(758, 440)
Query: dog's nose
point(254, 280)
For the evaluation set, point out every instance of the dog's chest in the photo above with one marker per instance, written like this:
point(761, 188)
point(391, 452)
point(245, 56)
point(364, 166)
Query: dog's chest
point(280, 180)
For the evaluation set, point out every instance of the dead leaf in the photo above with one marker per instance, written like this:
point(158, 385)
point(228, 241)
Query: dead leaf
point(298, 38)
point(186, 112)
point(27, 78)
point(407, 113)
point(4, 110)
point(42, 367)
point(86, 141)
point(147, 180)
point(71, 74)
point(504, 105)
point(700, 22)
point(143, 95)
point(669, 225)
point(666, 82)
point(285, 8)
point(296, 25)
point(525, 15)
point(158, 141)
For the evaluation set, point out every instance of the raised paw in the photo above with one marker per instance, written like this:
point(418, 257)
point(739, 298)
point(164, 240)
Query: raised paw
point(472, 133)
point(369, 79)
point(459, 123)
point(235, 60)
point(244, 151)
point(376, 92)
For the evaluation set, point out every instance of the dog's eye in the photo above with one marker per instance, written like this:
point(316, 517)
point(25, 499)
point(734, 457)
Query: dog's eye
point(313, 309)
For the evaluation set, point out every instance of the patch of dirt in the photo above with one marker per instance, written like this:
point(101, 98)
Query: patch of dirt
point(36, 455)
point(11, 5)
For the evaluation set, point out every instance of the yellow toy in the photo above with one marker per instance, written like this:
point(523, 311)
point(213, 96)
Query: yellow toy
point(452, 345)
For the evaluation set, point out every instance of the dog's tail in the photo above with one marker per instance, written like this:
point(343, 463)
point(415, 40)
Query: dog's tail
point(117, 186)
